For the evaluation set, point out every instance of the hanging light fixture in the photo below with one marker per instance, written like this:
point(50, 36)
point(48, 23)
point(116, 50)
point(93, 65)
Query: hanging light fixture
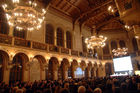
point(95, 41)
point(24, 15)
point(120, 51)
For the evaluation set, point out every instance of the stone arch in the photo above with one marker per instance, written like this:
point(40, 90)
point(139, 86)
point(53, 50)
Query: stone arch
point(18, 70)
point(37, 68)
point(53, 68)
point(108, 69)
point(89, 65)
point(4, 59)
point(83, 65)
point(100, 70)
point(64, 68)
point(41, 59)
point(72, 68)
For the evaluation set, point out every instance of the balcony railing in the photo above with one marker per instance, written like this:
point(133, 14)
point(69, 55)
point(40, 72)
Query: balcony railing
point(5, 39)
point(22, 42)
point(41, 46)
point(65, 50)
point(53, 48)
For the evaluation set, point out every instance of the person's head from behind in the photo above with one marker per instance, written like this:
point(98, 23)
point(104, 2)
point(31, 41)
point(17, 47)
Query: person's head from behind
point(64, 91)
point(97, 90)
point(81, 89)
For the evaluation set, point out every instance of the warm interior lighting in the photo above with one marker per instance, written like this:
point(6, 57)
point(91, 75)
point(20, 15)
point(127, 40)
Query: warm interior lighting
point(95, 41)
point(110, 9)
point(127, 27)
point(24, 15)
point(120, 51)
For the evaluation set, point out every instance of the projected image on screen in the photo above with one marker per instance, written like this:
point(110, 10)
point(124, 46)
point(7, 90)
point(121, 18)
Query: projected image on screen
point(122, 64)
point(79, 73)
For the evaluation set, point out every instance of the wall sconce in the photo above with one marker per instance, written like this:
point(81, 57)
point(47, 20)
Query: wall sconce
point(79, 60)
point(60, 59)
point(12, 54)
point(70, 60)
point(31, 57)
point(47, 57)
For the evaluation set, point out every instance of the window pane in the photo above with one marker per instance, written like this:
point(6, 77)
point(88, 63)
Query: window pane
point(68, 40)
point(49, 37)
point(60, 37)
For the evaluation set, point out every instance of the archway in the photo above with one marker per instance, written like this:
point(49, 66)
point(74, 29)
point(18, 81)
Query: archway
point(88, 70)
point(73, 68)
point(17, 72)
point(64, 65)
point(4, 59)
point(37, 71)
point(79, 73)
point(53, 68)
point(108, 68)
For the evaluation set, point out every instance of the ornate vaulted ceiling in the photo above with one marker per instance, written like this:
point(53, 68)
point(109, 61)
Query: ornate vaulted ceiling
point(92, 13)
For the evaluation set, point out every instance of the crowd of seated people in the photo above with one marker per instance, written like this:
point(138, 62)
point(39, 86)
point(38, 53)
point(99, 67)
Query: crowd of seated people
point(95, 85)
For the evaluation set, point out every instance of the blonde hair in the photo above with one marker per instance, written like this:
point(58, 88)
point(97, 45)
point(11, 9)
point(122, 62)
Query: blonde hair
point(97, 90)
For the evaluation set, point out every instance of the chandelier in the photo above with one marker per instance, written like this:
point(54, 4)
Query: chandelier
point(95, 41)
point(120, 51)
point(24, 15)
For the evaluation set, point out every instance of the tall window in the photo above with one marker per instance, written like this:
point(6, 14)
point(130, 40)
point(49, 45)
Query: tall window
point(60, 37)
point(16, 71)
point(1, 64)
point(20, 34)
point(135, 45)
point(122, 43)
point(68, 39)
point(106, 49)
point(4, 27)
point(113, 45)
point(84, 45)
point(49, 36)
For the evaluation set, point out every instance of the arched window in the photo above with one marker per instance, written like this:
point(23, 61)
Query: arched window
point(16, 71)
point(60, 37)
point(4, 27)
point(113, 45)
point(84, 45)
point(68, 39)
point(20, 34)
point(1, 65)
point(49, 35)
point(122, 44)
point(135, 45)
point(106, 49)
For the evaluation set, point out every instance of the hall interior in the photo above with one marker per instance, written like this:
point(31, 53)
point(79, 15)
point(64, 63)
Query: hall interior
point(58, 49)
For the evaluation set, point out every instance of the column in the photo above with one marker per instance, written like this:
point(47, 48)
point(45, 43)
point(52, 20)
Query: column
point(11, 30)
point(55, 37)
point(88, 73)
point(72, 72)
point(6, 72)
point(65, 42)
point(110, 50)
point(137, 33)
point(65, 74)
point(55, 74)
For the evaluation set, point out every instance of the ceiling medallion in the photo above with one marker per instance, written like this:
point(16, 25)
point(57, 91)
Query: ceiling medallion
point(24, 15)
point(120, 51)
